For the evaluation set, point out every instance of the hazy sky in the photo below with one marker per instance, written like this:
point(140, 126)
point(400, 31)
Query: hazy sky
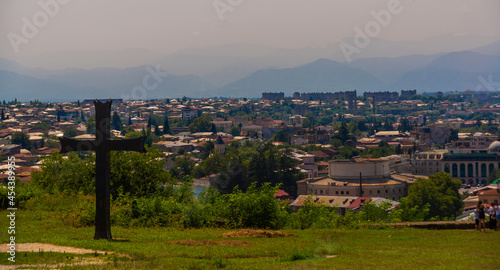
point(166, 26)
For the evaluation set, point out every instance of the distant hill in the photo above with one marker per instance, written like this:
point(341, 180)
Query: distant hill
point(249, 77)
point(26, 88)
point(72, 84)
point(322, 75)
point(453, 71)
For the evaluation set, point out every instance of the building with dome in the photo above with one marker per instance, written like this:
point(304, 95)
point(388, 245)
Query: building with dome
point(473, 167)
point(470, 159)
point(359, 177)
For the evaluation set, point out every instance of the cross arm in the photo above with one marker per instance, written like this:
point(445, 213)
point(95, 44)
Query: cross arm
point(69, 145)
point(136, 145)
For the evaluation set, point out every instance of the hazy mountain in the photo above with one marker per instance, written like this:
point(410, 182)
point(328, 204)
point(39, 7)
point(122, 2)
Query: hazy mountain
point(90, 59)
point(223, 64)
point(26, 88)
point(226, 71)
point(321, 75)
point(389, 70)
point(453, 71)
point(72, 84)
point(490, 49)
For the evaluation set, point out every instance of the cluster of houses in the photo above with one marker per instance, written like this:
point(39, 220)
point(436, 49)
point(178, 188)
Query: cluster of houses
point(472, 158)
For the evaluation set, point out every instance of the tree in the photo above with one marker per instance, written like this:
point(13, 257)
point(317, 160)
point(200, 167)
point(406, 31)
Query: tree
point(343, 134)
point(347, 152)
point(453, 135)
point(132, 173)
point(336, 143)
point(398, 150)
point(22, 139)
point(3, 116)
point(70, 132)
point(166, 125)
point(280, 136)
point(90, 124)
point(494, 175)
point(157, 131)
point(306, 123)
point(82, 116)
point(200, 124)
point(58, 116)
point(235, 131)
point(440, 191)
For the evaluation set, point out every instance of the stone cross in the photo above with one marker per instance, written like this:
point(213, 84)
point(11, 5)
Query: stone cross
point(102, 145)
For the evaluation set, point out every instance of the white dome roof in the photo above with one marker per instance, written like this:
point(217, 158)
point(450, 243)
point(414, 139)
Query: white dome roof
point(494, 147)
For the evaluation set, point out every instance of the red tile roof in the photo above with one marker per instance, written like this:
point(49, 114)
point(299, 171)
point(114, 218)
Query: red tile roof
point(359, 202)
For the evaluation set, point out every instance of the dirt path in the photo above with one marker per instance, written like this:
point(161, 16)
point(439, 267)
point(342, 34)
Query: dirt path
point(36, 247)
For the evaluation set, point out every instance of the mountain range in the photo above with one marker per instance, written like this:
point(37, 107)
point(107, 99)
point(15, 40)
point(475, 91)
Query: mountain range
point(247, 71)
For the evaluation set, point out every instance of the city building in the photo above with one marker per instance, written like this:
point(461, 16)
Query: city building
point(273, 96)
point(427, 162)
point(358, 177)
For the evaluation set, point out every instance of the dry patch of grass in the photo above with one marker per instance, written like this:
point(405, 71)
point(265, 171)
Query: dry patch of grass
point(43, 247)
point(257, 233)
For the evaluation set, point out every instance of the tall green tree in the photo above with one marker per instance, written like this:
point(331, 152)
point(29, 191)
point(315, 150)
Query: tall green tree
point(166, 125)
point(90, 125)
point(440, 191)
point(70, 132)
point(200, 124)
point(22, 139)
point(116, 122)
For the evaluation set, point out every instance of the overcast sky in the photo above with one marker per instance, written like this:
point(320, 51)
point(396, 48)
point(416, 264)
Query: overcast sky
point(166, 26)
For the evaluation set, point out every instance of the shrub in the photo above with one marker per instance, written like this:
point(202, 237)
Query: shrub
point(256, 208)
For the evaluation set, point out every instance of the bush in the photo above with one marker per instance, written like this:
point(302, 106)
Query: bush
point(315, 215)
point(23, 191)
point(256, 208)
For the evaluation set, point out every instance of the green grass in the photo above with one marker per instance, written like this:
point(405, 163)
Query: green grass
point(147, 248)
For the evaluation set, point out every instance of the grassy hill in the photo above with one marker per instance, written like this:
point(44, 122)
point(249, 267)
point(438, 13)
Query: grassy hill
point(171, 248)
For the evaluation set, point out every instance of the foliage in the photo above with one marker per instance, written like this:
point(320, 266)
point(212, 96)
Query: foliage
point(382, 150)
point(200, 124)
point(235, 131)
point(140, 175)
point(116, 122)
point(243, 165)
point(255, 208)
point(90, 125)
point(66, 175)
point(347, 152)
point(70, 132)
point(312, 214)
point(23, 193)
point(22, 139)
point(280, 136)
point(132, 173)
point(440, 192)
